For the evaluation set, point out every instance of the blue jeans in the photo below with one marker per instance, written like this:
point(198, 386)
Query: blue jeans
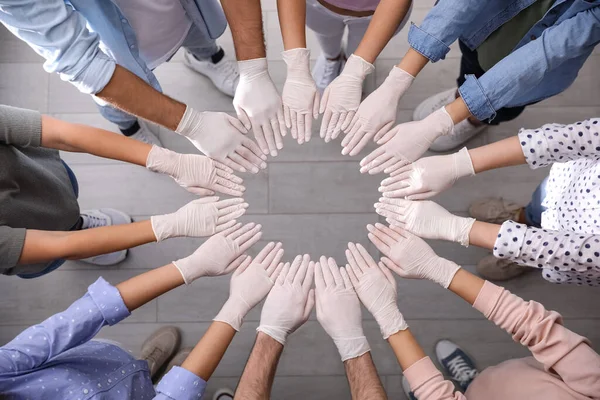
point(534, 210)
point(195, 43)
point(52, 265)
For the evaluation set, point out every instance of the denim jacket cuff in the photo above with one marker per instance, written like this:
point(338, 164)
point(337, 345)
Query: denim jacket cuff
point(474, 97)
point(95, 77)
point(426, 44)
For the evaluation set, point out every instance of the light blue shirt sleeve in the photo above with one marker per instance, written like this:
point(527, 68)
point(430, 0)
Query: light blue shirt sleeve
point(39, 344)
point(59, 34)
point(180, 384)
point(524, 69)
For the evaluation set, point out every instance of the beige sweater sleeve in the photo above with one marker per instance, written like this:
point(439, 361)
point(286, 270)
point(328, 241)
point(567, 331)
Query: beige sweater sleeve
point(560, 350)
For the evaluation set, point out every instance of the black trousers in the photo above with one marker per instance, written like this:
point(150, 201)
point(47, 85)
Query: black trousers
point(469, 65)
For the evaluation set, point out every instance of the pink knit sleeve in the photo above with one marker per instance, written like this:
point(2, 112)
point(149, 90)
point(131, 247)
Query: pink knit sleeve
point(427, 383)
point(560, 350)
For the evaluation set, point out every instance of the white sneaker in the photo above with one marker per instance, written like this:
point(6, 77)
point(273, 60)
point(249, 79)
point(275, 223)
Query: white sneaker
point(105, 217)
point(224, 74)
point(463, 131)
point(223, 394)
point(325, 71)
point(146, 134)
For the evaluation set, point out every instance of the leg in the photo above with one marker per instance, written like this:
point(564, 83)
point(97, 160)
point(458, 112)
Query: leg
point(328, 28)
point(201, 47)
point(533, 210)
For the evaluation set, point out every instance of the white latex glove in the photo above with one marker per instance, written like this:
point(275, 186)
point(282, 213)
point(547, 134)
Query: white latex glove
point(412, 257)
point(342, 97)
point(258, 105)
point(428, 176)
point(202, 217)
point(407, 142)
point(425, 219)
point(291, 300)
point(377, 113)
point(338, 309)
point(197, 174)
point(220, 254)
point(250, 284)
point(222, 137)
point(300, 95)
point(376, 288)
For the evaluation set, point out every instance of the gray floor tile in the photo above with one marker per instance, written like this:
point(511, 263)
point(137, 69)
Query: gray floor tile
point(24, 85)
point(393, 387)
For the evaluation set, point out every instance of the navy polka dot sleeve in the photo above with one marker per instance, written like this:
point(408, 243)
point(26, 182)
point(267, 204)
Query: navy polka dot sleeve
point(560, 143)
point(565, 257)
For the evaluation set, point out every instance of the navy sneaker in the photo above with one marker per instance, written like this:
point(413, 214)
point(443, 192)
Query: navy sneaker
point(457, 365)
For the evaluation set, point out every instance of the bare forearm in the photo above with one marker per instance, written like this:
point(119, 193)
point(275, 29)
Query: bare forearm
point(129, 93)
point(363, 379)
point(143, 288)
point(209, 351)
point(406, 348)
point(458, 110)
point(43, 246)
point(257, 379)
point(388, 15)
point(61, 135)
point(292, 20)
point(500, 154)
point(413, 62)
point(245, 22)
point(484, 234)
point(466, 285)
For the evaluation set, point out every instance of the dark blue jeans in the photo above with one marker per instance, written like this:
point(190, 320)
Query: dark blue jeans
point(534, 210)
point(52, 265)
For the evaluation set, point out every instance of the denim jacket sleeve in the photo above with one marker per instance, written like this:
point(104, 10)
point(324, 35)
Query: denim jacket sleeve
point(38, 344)
point(59, 34)
point(524, 69)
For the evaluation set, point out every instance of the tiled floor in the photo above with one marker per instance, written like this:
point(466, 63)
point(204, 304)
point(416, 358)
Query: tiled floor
point(312, 199)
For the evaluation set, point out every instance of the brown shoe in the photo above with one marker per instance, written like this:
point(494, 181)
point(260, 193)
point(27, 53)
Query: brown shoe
point(497, 269)
point(179, 358)
point(495, 210)
point(159, 347)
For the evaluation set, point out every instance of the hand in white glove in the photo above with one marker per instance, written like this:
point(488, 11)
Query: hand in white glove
point(300, 95)
point(428, 176)
point(425, 219)
point(407, 142)
point(291, 300)
point(258, 105)
point(414, 258)
point(342, 97)
point(202, 217)
point(338, 309)
point(198, 174)
point(250, 284)
point(220, 254)
point(220, 136)
point(377, 113)
point(376, 289)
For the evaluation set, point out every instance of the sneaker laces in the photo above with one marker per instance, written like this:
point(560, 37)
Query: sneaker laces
point(94, 222)
point(461, 371)
point(154, 355)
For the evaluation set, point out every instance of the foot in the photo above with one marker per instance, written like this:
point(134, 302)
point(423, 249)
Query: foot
point(223, 394)
point(457, 365)
point(463, 131)
point(495, 210)
point(407, 391)
point(105, 217)
point(224, 74)
point(147, 134)
point(496, 269)
point(325, 71)
point(178, 359)
point(160, 347)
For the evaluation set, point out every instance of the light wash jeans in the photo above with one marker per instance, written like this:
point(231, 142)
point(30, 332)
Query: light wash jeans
point(534, 210)
point(196, 43)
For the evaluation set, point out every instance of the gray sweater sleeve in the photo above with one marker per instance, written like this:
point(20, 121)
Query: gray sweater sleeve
point(20, 127)
point(11, 246)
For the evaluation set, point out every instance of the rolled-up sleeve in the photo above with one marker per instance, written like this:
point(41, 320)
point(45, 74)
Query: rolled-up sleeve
point(180, 384)
point(59, 34)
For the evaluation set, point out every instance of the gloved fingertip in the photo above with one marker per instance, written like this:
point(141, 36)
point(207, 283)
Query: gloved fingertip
point(344, 151)
point(263, 157)
point(274, 153)
point(242, 169)
point(263, 165)
point(254, 170)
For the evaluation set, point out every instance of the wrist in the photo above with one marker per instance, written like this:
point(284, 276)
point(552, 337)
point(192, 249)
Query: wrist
point(399, 79)
point(390, 321)
point(190, 123)
point(349, 348)
point(276, 333)
point(162, 226)
point(446, 271)
point(233, 312)
point(298, 62)
point(357, 67)
point(162, 160)
point(250, 69)
point(461, 226)
point(463, 165)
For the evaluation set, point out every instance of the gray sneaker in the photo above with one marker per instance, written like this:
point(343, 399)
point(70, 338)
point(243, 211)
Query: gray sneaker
point(499, 269)
point(160, 347)
point(148, 133)
point(457, 365)
point(104, 217)
point(495, 210)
